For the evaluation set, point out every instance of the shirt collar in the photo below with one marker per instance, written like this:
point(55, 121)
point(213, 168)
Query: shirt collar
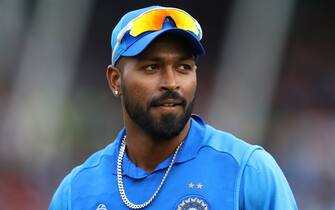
point(193, 140)
point(188, 151)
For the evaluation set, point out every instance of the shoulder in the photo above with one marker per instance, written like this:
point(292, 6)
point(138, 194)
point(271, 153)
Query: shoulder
point(263, 169)
point(262, 162)
point(227, 143)
point(264, 185)
point(79, 175)
point(260, 183)
point(94, 161)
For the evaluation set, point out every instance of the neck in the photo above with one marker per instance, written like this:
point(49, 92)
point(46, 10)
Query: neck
point(147, 152)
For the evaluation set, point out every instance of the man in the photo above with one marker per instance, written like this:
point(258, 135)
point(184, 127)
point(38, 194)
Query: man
point(165, 157)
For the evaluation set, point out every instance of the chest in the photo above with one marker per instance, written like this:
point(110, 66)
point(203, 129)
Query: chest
point(202, 183)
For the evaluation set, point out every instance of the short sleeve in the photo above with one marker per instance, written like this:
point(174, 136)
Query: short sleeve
point(60, 200)
point(264, 186)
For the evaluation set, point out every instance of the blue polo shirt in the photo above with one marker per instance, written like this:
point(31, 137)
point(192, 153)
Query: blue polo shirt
point(213, 170)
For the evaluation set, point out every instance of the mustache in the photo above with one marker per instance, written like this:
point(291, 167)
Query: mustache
point(168, 95)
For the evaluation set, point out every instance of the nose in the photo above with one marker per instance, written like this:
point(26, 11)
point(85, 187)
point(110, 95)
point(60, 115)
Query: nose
point(169, 81)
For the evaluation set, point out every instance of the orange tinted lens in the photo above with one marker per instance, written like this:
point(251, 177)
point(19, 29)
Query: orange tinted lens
point(153, 21)
point(150, 21)
point(183, 21)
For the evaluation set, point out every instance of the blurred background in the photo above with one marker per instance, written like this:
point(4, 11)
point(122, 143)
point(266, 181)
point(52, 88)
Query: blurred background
point(268, 77)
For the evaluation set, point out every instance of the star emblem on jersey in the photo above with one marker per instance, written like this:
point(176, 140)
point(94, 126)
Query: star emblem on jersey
point(101, 207)
point(199, 186)
point(190, 185)
point(192, 203)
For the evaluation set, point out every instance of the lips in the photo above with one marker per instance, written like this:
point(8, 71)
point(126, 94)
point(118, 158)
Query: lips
point(168, 103)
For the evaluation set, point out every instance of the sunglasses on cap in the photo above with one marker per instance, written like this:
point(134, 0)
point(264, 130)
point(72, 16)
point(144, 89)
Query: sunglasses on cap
point(152, 20)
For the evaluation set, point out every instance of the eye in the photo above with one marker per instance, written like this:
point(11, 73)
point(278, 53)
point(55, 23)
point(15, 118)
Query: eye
point(184, 67)
point(151, 67)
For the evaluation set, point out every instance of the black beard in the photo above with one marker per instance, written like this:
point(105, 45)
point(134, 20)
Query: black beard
point(168, 125)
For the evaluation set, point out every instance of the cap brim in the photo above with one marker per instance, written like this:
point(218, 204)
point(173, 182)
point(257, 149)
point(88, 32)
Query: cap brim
point(145, 41)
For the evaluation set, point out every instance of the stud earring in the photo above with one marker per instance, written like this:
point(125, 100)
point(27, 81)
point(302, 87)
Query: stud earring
point(116, 93)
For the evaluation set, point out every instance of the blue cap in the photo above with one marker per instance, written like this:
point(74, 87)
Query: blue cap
point(132, 46)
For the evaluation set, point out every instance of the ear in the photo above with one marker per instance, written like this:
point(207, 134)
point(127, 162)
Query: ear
point(113, 76)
